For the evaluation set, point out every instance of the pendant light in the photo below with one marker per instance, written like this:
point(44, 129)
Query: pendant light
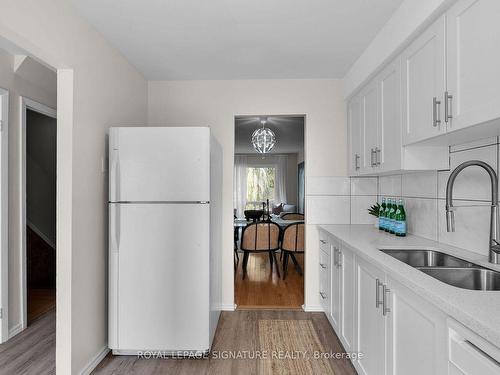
point(263, 139)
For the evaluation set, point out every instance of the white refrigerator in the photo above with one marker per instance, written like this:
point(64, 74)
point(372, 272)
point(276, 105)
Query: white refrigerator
point(164, 239)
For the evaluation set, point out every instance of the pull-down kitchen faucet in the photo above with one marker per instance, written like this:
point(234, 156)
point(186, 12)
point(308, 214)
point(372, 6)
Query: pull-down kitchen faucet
point(494, 243)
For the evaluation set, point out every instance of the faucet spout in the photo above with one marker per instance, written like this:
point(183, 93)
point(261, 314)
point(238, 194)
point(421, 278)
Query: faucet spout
point(494, 242)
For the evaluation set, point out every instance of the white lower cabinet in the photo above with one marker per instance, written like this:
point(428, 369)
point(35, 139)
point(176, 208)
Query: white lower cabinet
point(370, 321)
point(325, 277)
point(396, 331)
point(336, 285)
point(416, 333)
point(347, 298)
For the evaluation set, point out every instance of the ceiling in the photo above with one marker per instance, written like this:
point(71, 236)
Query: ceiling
point(239, 39)
point(289, 132)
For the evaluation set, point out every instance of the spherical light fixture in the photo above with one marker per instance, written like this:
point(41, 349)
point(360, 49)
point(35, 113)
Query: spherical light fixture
point(263, 139)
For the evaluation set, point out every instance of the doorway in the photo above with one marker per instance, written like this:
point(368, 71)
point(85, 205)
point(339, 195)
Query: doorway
point(39, 211)
point(269, 222)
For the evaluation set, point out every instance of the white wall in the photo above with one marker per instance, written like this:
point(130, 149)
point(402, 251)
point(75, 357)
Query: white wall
point(97, 88)
point(216, 103)
point(410, 17)
point(17, 87)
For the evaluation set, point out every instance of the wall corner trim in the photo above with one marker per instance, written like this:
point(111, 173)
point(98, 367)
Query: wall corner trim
point(94, 362)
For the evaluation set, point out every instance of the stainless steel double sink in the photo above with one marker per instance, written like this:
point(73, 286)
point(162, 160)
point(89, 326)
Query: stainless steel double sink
point(448, 269)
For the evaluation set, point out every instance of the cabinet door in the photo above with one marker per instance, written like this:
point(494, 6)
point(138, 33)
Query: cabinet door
point(336, 286)
point(416, 336)
point(473, 32)
point(347, 295)
point(354, 113)
point(370, 124)
point(423, 65)
point(389, 150)
point(325, 281)
point(370, 335)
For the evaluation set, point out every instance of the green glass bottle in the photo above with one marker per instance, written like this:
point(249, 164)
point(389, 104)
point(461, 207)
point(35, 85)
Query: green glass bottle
point(400, 218)
point(392, 216)
point(381, 215)
point(387, 221)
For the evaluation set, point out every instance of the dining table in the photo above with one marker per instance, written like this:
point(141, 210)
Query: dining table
point(241, 223)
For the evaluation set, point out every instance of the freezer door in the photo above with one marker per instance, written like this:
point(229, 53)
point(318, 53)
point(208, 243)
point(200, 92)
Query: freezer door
point(162, 253)
point(159, 164)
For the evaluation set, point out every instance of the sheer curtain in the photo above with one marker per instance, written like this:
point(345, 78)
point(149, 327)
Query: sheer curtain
point(240, 184)
point(280, 162)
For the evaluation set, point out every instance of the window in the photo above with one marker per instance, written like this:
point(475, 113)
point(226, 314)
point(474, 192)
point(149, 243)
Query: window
point(260, 186)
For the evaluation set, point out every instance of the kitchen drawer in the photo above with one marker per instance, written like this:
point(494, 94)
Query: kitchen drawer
point(324, 242)
point(470, 354)
point(325, 281)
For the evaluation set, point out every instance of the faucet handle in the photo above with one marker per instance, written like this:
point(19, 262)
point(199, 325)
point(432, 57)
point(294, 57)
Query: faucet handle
point(450, 219)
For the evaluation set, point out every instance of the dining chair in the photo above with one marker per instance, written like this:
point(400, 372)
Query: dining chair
point(293, 216)
point(258, 238)
point(292, 243)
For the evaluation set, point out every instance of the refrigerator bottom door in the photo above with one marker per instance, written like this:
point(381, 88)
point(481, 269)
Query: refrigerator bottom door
point(163, 277)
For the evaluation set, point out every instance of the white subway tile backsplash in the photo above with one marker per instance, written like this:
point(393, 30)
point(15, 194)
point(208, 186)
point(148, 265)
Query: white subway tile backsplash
point(390, 185)
point(328, 186)
point(364, 186)
point(328, 209)
point(472, 227)
point(421, 217)
point(420, 185)
point(359, 209)
point(472, 183)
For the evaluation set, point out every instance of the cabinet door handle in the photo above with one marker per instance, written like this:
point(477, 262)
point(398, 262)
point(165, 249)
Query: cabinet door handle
point(323, 295)
point(356, 161)
point(335, 261)
point(378, 302)
point(377, 155)
point(339, 259)
point(374, 157)
point(448, 110)
point(436, 120)
point(385, 292)
point(322, 265)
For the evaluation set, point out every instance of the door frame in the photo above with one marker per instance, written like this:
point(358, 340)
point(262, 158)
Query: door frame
point(307, 265)
point(4, 215)
point(35, 106)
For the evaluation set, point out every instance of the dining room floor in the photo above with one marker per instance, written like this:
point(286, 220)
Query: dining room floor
point(262, 289)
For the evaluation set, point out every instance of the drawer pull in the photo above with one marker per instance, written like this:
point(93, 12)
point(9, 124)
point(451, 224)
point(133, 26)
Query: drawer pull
point(481, 352)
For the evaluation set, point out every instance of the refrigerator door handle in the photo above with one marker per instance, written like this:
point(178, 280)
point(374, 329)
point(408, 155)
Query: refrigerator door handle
point(114, 227)
point(115, 176)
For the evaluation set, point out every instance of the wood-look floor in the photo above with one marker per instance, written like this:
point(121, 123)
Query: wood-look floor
point(237, 331)
point(33, 351)
point(40, 302)
point(263, 289)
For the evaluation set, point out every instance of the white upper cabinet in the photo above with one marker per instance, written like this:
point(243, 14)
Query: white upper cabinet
point(370, 125)
point(354, 114)
point(473, 35)
point(389, 149)
point(424, 84)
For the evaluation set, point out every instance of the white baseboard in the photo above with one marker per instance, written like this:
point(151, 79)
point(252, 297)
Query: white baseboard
point(34, 228)
point(228, 307)
point(18, 328)
point(94, 362)
point(312, 308)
